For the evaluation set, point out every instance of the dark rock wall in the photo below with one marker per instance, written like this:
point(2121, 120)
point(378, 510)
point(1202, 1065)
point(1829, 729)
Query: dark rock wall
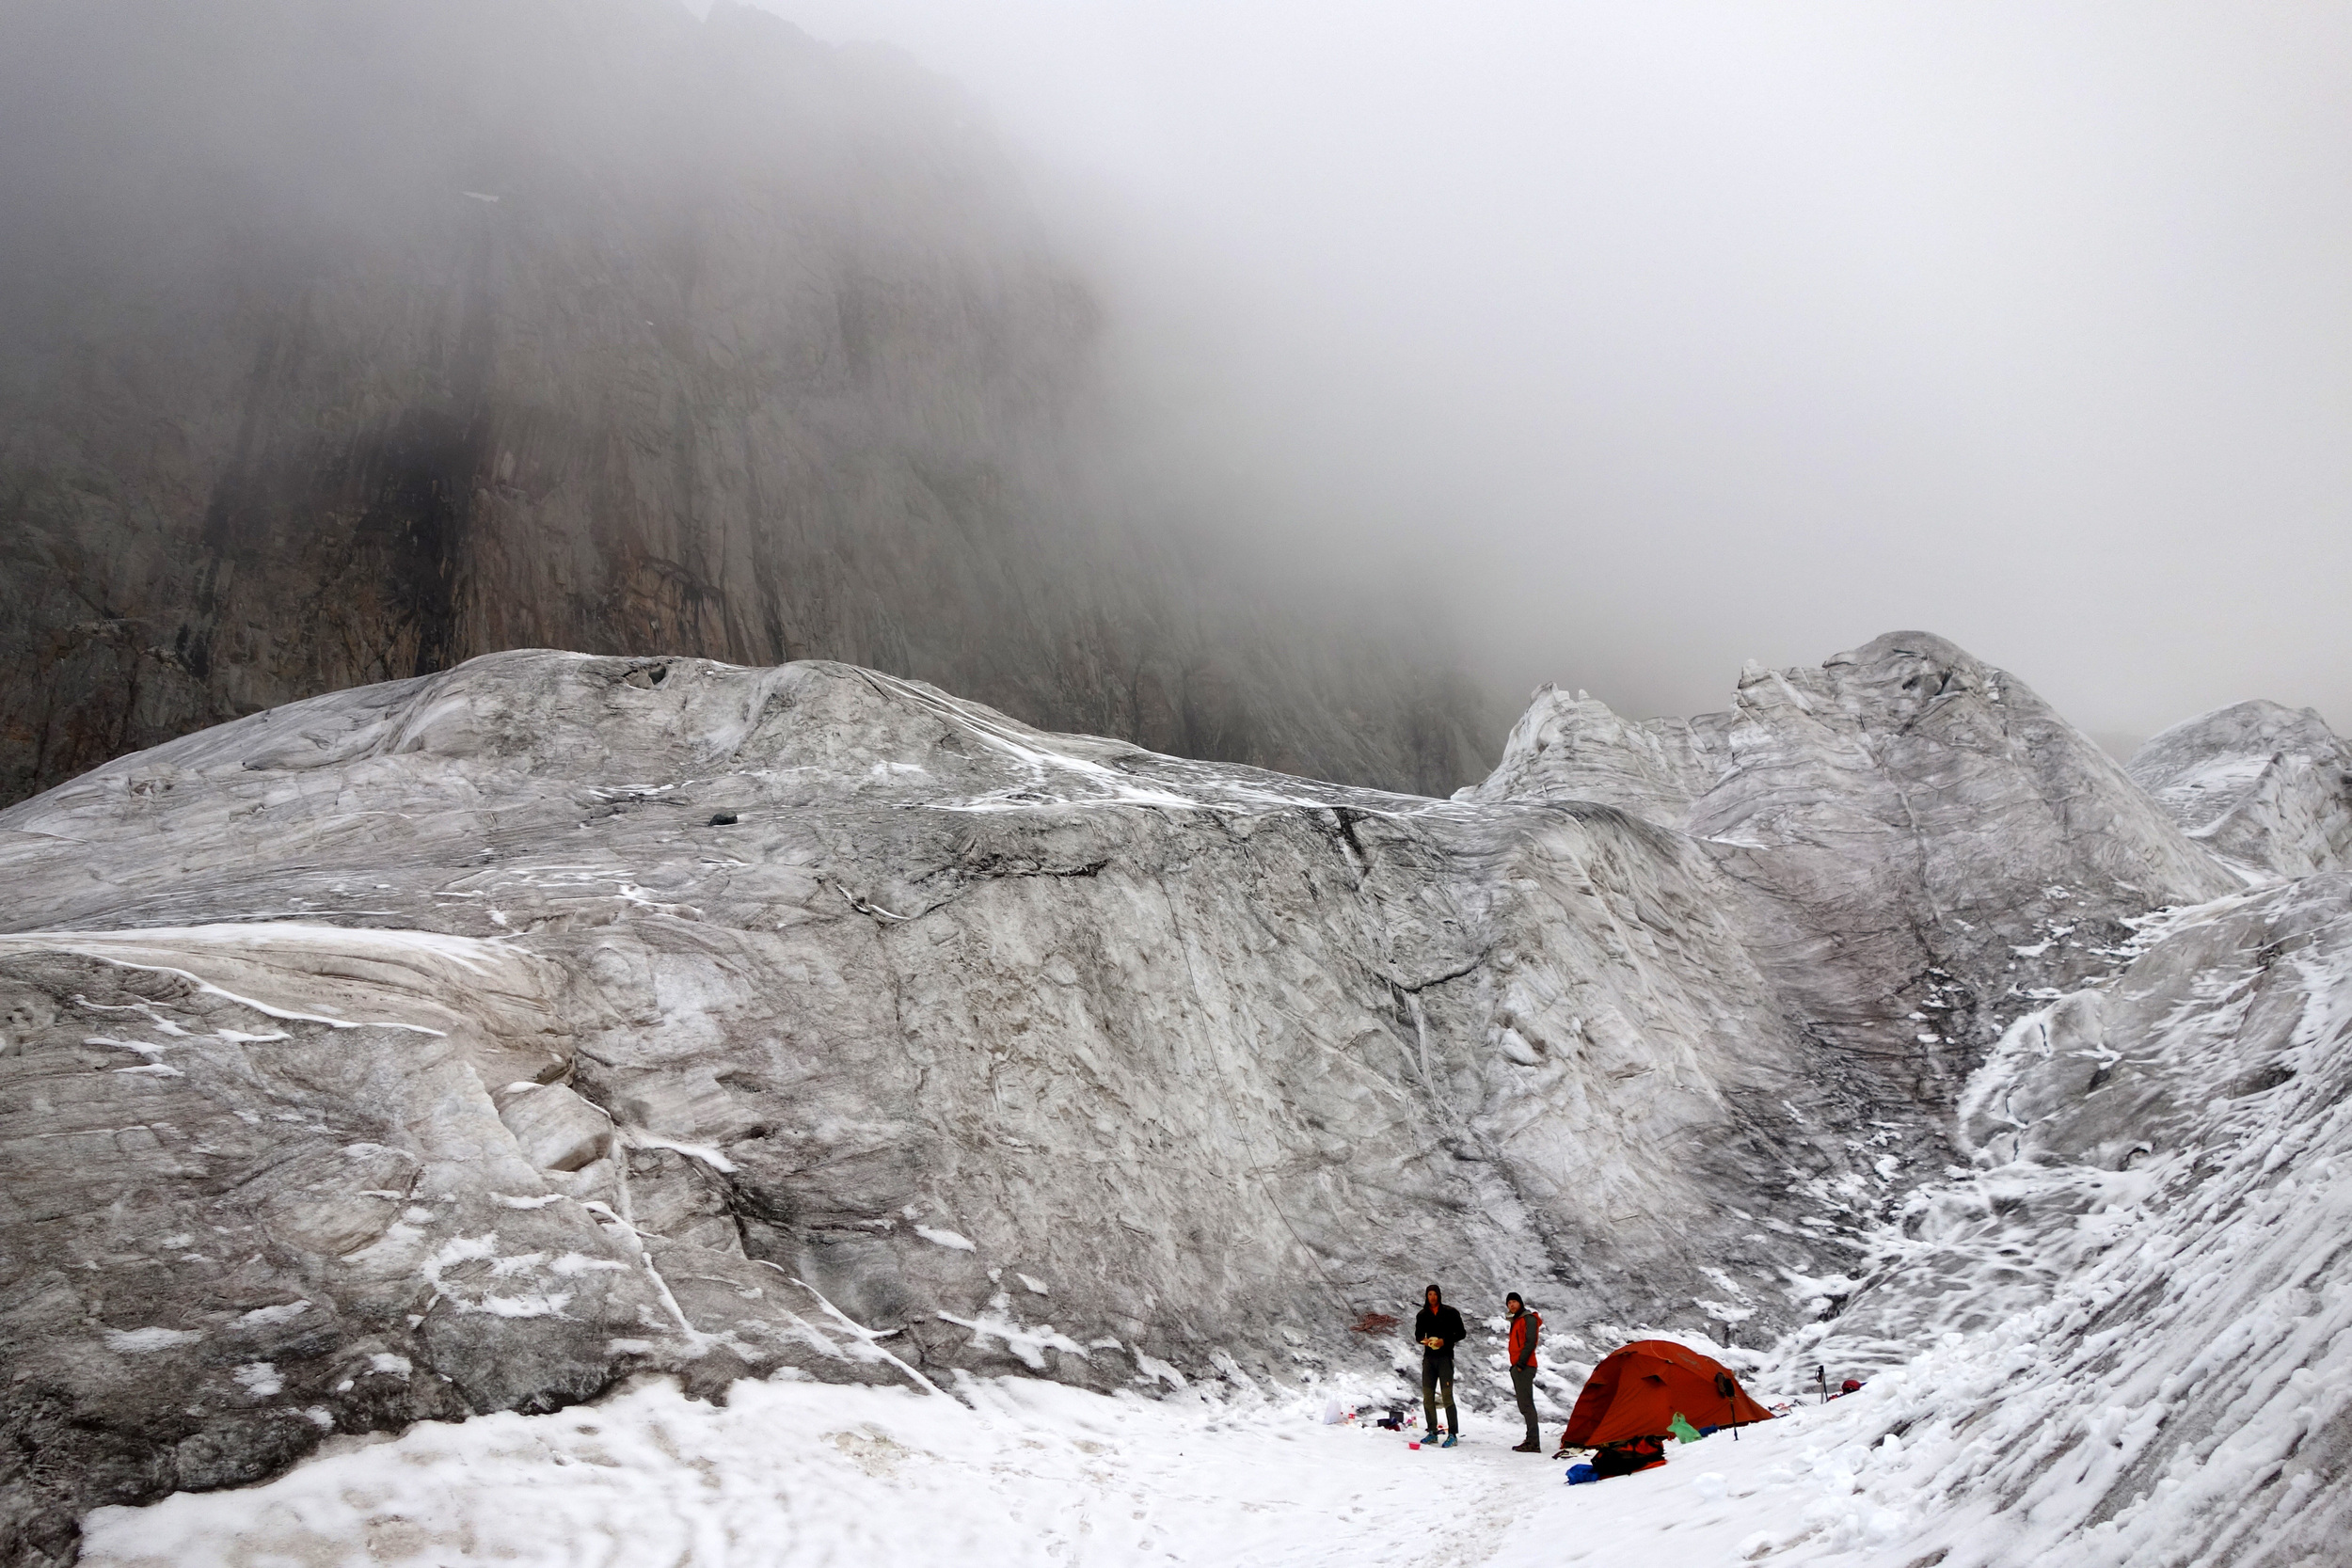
point(344, 343)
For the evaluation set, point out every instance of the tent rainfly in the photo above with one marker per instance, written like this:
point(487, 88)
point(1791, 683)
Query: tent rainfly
point(1638, 1391)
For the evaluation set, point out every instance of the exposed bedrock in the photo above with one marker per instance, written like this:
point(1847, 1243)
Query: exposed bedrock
point(469, 1041)
point(2267, 787)
point(1919, 835)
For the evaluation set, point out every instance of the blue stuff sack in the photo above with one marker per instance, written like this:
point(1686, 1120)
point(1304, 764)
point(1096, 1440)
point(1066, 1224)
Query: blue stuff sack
point(1579, 1474)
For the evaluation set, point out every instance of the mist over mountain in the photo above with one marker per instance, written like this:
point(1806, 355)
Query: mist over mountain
point(342, 344)
point(730, 842)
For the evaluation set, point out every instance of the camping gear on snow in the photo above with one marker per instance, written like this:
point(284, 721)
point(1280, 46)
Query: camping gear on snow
point(1579, 1475)
point(1683, 1432)
point(1639, 1389)
point(1627, 1457)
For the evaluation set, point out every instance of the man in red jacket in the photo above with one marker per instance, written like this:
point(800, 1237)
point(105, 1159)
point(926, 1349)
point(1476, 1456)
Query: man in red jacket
point(1524, 1326)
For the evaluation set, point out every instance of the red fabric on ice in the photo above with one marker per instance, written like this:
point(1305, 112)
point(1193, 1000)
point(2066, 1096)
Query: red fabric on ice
point(1637, 1392)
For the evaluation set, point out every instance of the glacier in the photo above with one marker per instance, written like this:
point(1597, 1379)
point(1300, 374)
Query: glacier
point(702, 1050)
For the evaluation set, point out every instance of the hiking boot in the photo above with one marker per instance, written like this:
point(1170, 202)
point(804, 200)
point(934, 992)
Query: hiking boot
point(1430, 1436)
point(1450, 1439)
point(1531, 1446)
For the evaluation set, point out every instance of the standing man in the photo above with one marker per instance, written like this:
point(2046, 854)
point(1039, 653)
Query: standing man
point(1439, 1327)
point(1525, 1325)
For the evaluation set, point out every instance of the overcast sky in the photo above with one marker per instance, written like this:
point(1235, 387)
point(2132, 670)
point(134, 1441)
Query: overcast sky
point(1649, 337)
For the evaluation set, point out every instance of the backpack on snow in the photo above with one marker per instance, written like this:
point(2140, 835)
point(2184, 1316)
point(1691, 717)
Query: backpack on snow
point(1624, 1458)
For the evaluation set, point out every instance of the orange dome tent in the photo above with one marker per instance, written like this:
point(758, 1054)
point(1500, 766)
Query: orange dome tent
point(1638, 1391)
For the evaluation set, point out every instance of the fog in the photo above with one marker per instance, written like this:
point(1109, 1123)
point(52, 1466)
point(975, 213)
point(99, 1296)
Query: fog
point(1635, 341)
point(342, 341)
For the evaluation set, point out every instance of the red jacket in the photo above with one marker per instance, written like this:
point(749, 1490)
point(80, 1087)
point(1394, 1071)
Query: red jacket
point(1523, 1329)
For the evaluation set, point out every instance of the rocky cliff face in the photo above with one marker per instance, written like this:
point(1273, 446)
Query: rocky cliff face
point(464, 1043)
point(2143, 1351)
point(470, 1041)
point(1906, 817)
point(2268, 788)
point(341, 343)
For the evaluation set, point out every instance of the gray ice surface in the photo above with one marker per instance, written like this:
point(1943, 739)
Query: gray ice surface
point(472, 1042)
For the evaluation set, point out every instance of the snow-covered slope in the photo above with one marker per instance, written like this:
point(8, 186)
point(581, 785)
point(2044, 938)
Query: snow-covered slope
point(472, 1043)
point(2265, 787)
point(2139, 1333)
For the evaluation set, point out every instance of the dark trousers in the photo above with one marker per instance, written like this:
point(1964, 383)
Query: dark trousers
point(1437, 1383)
point(1523, 1387)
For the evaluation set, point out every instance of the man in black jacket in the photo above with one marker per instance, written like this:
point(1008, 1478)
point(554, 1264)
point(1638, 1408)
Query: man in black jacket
point(1439, 1327)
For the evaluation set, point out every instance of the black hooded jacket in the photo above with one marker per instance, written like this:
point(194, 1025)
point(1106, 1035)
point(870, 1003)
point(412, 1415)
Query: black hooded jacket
point(1445, 1323)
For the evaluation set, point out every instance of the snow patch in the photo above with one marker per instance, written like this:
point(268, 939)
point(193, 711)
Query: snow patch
point(266, 1315)
point(955, 1239)
point(258, 1378)
point(1029, 1344)
point(139, 1342)
point(704, 1152)
point(1019, 1473)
